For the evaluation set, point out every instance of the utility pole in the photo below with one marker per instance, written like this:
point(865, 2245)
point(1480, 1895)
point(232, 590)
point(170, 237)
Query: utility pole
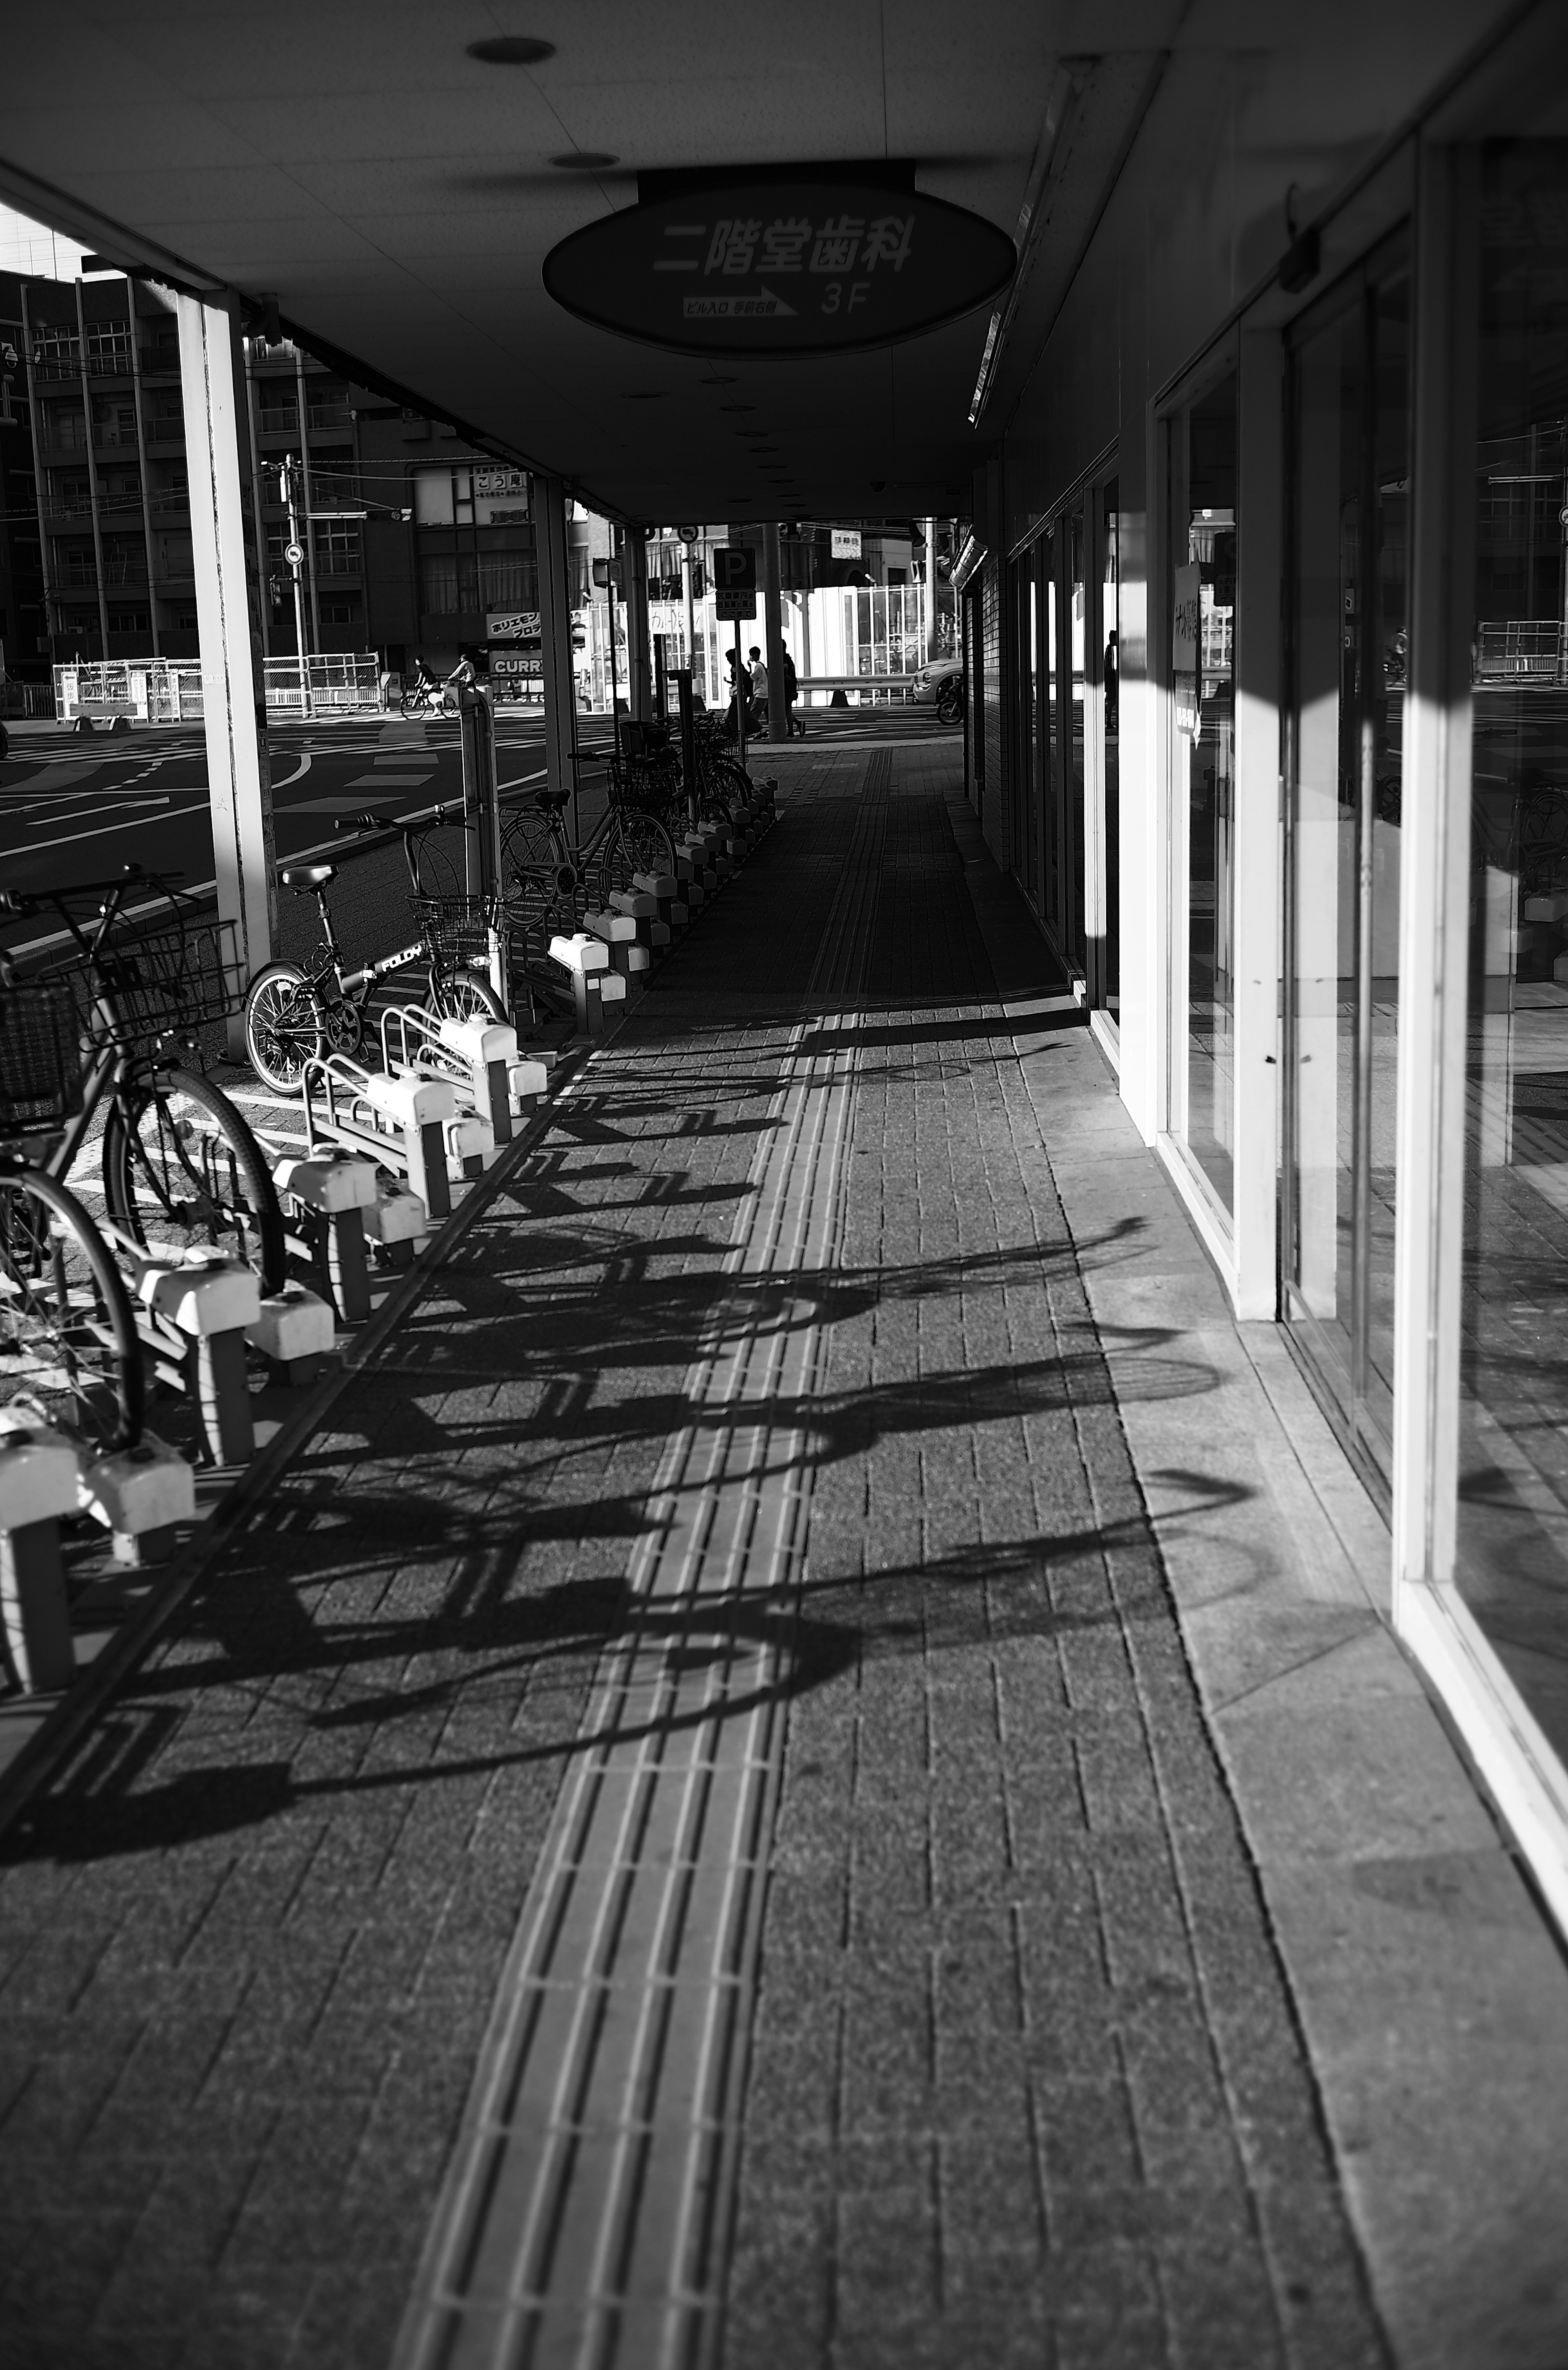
point(688, 564)
point(295, 555)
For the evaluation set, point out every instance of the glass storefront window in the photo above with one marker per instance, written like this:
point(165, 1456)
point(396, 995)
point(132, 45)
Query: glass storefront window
point(1109, 623)
point(1050, 750)
point(1071, 687)
point(1202, 608)
point(1029, 709)
point(1349, 452)
point(1513, 1505)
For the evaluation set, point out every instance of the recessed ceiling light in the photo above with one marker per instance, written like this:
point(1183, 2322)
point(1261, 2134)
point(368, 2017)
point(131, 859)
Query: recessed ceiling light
point(510, 50)
point(644, 394)
point(585, 160)
point(737, 407)
point(717, 378)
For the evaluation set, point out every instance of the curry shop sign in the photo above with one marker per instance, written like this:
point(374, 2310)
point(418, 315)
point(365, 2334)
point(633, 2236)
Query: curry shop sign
point(786, 265)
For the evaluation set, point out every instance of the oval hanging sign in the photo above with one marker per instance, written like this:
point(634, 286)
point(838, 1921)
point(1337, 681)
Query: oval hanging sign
point(790, 267)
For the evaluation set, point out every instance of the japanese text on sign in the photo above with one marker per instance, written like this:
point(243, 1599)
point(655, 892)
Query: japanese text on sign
point(739, 245)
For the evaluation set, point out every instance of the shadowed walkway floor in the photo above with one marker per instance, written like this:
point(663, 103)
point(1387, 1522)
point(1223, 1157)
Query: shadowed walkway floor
point(687, 1834)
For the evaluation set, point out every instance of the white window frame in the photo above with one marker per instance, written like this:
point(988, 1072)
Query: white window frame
point(1509, 1749)
point(1243, 1241)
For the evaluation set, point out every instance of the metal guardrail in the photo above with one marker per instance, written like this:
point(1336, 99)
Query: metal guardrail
point(1513, 650)
point(168, 691)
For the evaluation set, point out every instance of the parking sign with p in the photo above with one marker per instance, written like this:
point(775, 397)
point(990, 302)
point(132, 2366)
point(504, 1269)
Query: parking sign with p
point(735, 581)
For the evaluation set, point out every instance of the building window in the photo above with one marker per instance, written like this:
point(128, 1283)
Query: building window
point(337, 550)
point(1349, 389)
point(507, 579)
point(65, 425)
point(75, 563)
point(109, 348)
point(1200, 593)
point(114, 419)
point(1513, 1496)
point(128, 621)
point(1109, 633)
point(186, 621)
point(342, 609)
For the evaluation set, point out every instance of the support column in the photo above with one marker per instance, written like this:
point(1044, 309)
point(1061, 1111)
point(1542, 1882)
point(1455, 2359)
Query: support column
point(555, 630)
point(773, 635)
point(239, 782)
point(640, 683)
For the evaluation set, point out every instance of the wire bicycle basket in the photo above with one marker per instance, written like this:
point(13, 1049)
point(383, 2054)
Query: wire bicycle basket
point(170, 984)
point(458, 929)
point(41, 1066)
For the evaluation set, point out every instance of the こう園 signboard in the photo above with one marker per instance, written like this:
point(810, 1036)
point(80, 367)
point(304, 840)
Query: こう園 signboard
point(794, 265)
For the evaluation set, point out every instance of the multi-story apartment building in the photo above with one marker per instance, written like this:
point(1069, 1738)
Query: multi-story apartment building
point(410, 539)
point(21, 562)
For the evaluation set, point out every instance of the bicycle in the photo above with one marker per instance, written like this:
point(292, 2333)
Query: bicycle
point(547, 884)
point(175, 1153)
point(69, 1351)
point(429, 699)
point(295, 1013)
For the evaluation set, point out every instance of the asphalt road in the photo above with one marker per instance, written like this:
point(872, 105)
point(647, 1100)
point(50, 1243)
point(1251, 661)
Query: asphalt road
point(75, 809)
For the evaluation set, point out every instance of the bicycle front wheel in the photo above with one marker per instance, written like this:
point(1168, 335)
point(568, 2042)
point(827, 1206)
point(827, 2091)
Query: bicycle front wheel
point(181, 1166)
point(282, 1026)
point(68, 1345)
point(464, 995)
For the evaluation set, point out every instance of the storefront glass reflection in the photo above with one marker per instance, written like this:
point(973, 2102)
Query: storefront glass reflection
point(1110, 716)
point(1072, 694)
point(1349, 407)
point(1513, 1512)
point(1202, 612)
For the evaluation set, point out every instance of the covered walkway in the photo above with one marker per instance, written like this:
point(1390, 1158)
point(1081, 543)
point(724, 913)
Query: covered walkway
point(806, 1770)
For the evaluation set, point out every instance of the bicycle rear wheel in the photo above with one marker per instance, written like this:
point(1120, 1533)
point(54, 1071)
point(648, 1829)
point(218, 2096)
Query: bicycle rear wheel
point(181, 1166)
point(540, 882)
point(284, 1026)
point(68, 1345)
point(635, 842)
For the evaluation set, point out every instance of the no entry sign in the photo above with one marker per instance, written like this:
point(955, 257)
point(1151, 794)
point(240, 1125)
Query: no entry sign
point(792, 266)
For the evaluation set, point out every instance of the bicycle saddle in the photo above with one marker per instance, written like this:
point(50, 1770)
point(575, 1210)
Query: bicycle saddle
point(307, 875)
point(552, 801)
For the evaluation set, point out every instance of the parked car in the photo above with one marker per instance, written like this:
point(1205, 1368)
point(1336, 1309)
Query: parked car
point(943, 682)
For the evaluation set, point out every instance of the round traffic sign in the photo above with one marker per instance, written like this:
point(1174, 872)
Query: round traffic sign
point(293, 553)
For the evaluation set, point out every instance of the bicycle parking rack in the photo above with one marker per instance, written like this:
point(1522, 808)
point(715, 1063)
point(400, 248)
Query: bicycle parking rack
point(39, 1483)
point(629, 955)
point(668, 904)
point(326, 1196)
point(141, 1496)
point(586, 961)
point(480, 1060)
point(193, 1311)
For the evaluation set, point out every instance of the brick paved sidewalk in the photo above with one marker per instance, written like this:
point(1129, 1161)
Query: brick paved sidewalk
point(755, 1468)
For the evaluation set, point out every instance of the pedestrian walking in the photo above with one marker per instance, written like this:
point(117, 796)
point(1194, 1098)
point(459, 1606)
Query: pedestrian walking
point(758, 672)
point(791, 693)
point(740, 688)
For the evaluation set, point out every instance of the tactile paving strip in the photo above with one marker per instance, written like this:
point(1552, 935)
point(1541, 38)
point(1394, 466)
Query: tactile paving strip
point(584, 2217)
